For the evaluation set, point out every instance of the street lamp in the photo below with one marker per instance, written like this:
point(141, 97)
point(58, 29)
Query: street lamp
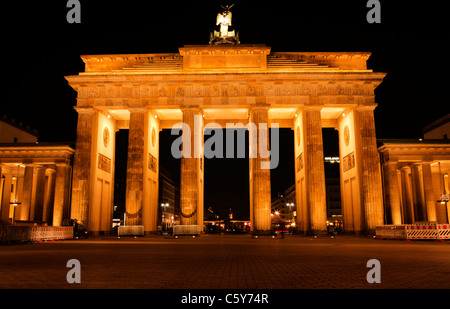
point(164, 206)
point(14, 204)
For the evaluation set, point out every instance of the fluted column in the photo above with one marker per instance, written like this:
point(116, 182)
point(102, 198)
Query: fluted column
point(394, 193)
point(6, 198)
point(260, 170)
point(27, 193)
point(49, 196)
point(419, 204)
point(39, 194)
point(315, 169)
point(81, 181)
point(371, 174)
point(430, 200)
point(61, 200)
point(191, 187)
point(408, 207)
point(135, 166)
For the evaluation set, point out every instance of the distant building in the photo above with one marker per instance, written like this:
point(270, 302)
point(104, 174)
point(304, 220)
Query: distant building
point(439, 129)
point(35, 178)
point(169, 200)
point(283, 207)
point(35, 183)
point(12, 131)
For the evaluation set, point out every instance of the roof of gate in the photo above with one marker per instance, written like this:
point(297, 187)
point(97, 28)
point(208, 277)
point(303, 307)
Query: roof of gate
point(230, 59)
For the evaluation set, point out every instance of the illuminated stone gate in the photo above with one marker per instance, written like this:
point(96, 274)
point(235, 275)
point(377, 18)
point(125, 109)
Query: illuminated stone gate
point(304, 91)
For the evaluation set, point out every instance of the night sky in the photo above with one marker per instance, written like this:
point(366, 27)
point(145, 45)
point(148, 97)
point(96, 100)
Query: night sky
point(40, 48)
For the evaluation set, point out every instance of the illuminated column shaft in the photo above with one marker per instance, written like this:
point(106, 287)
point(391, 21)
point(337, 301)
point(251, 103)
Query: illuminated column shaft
point(39, 195)
point(394, 193)
point(191, 187)
point(315, 170)
point(81, 179)
point(260, 177)
point(430, 200)
point(27, 193)
point(61, 201)
point(49, 196)
point(135, 166)
point(371, 173)
point(419, 209)
point(6, 198)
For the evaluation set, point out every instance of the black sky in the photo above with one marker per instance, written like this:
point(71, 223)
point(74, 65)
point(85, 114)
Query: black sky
point(39, 48)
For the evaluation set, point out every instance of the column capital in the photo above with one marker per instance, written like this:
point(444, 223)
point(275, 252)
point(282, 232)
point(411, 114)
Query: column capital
point(138, 109)
point(85, 109)
point(366, 107)
point(259, 106)
point(194, 108)
point(312, 107)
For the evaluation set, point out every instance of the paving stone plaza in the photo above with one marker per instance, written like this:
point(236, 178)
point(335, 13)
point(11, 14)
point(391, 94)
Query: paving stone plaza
point(227, 262)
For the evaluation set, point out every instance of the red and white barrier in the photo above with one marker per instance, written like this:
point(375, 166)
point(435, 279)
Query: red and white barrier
point(421, 231)
point(41, 233)
point(414, 231)
point(444, 231)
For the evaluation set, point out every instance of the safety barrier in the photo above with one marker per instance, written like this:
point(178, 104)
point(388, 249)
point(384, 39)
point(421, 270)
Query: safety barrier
point(130, 230)
point(422, 231)
point(391, 231)
point(11, 233)
point(444, 231)
point(416, 231)
point(185, 230)
point(44, 233)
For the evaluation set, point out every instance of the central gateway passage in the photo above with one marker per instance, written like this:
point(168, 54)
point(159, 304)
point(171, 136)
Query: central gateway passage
point(227, 178)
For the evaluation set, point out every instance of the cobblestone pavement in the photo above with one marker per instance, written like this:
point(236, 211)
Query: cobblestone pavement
point(227, 262)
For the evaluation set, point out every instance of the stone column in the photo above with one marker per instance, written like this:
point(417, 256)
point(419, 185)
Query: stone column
point(27, 193)
point(39, 194)
point(315, 169)
point(6, 198)
point(394, 193)
point(81, 181)
point(430, 200)
point(408, 208)
point(371, 173)
point(260, 169)
point(61, 199)
point(135, 166)
point(418, 199)
point(49, 196)
point(191, 166)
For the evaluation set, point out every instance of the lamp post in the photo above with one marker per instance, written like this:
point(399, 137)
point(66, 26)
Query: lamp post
point(14, 204)
point(164, 206)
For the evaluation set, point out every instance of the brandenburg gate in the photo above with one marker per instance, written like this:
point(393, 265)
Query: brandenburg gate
point(210, 85)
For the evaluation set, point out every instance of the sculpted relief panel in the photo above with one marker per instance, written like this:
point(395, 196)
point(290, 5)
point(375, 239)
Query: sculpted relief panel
point(124, 94)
